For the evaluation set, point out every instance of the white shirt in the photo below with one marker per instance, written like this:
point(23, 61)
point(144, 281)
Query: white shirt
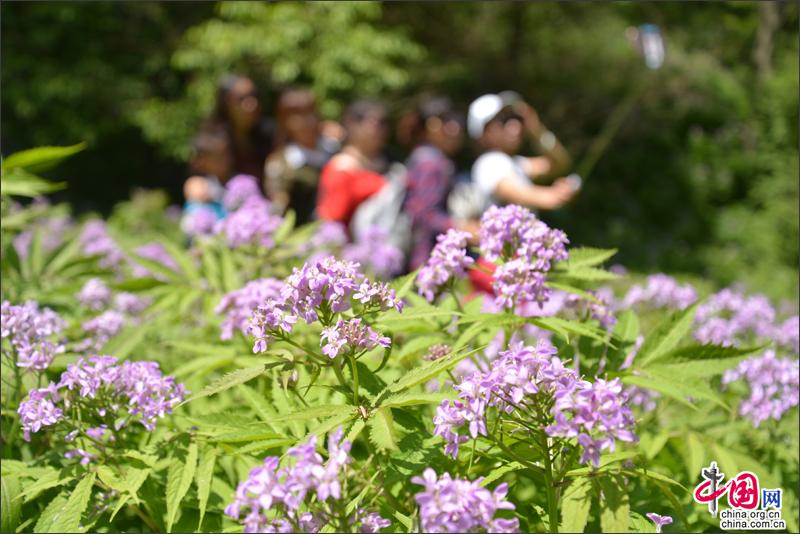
point(492, 167)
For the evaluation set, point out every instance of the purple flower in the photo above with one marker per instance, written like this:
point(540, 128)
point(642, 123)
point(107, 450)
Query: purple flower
point(157, 252)
point(375, 253)
point(327, 283)
point(85, 457)
point(728, 316)
point(39, 410)
point(52, 235)
point(660, 291)
point(31, 333)
point(773, 384)
point(788, 334)
point(101, 329)
point(659, 520)
point(514, 232)
point(95, 294)
point(448, 260)
point(238, 306)
point(596, 413)
point(329, 235)
point(272, 497)
point(457, 505)
point(518, 281)
point(268, 320)
point(130, 304)
point(240, 189)
point(377, 296)
point(97, 242)
point(353, 336)
point(251, 224)
point(200, 221)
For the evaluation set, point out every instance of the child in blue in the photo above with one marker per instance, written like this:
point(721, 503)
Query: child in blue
point(212, 163)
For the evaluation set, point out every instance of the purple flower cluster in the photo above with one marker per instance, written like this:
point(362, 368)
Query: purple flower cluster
point(329, 235)
point(787, 334)
point(130, 304)
point(153, 251)
point(773, 384)
point(457, 505)
point(517, 373)
point(594, 413)
point(728, 316)
point(351, 336)
point(31, 332)
point(100, 329)
point(238, 306)
point(375, 253)
point(660, 291)
point(514, 232)
point(96, 241)
point(52, 229)
point(272, 497)
point(95, 294)
point(448, 260)
point(105, 392)
point(529, 249)
point(239, 190)
point(321, 289)
point(200, 221)
point(251, 224)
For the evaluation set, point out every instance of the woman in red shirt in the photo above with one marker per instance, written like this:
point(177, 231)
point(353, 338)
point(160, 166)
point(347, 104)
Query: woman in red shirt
point(354, 174)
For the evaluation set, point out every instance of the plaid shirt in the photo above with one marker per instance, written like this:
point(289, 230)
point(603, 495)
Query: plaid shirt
point(430, 180)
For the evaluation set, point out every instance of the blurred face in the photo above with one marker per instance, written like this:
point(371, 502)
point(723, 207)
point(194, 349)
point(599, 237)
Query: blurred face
point(370, 133)
point(447, 134)
point(218, 161)
point(303, 127)
point(505, 133)
point(244, 107)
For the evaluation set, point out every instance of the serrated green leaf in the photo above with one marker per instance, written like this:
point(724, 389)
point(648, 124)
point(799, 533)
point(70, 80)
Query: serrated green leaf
point(666, 336)
point(500, 472)
point(180, 473)
point(10, 508)
point(157, 268)
point(381, 429)
point(41, 158)
point(51, 479)
point(66, 516)
point(588, 256)
point(404, 284)
point(588, 274)
point(412, 399)
point(228, 381)
point(702, 353)
point(315, 412)
point(615, 511)
point(575, 505)
point(564, 327)
point(21, 183)
point(205, 472)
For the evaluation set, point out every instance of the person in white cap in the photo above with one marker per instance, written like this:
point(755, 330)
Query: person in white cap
point(499, 122)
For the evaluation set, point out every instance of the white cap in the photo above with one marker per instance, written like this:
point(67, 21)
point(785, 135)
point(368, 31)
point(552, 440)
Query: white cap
point(486, 108)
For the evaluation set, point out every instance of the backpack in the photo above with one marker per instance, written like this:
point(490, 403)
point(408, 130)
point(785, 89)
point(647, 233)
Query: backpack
point(384, 210)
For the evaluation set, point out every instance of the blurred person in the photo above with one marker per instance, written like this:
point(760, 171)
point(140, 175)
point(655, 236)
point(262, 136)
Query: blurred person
point(212, 162)
point(305, 144)
point(356, 172)
point(237, 112)
point(499, 124)
point(437, 130)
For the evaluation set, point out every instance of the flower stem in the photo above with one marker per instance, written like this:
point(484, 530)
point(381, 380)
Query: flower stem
point(552, 503)
point(354, 371)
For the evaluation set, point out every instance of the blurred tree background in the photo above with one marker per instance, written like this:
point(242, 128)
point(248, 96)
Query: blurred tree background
point(702, 177)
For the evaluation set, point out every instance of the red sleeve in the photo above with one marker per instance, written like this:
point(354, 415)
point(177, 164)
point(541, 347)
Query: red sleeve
point(334, 199)
point(365, 184)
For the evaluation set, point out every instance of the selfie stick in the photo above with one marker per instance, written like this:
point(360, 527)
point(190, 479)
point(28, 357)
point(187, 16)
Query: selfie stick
point(650, 43)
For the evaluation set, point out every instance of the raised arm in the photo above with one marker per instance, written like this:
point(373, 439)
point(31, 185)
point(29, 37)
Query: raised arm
point(555, 160)
point(535, 196)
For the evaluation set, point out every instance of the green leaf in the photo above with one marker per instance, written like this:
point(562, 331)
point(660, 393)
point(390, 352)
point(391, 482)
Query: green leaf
point(404, 284)
point(137, 284)
point(589, 274)
point(41, 158)
point(21, 183)
point(588, 256)
point(130, 482)
point(666, 336)
point(179, 477)
point(381, 429)
point(205, 472)
point(412, 399)
point(230, 275)
point(51, 479)
point(228, 381)
point(126, 341)
point(65, 516)
point(703, 353)
point(157, 267)
point(315, 412)
point(624, 336)
point(10, 508)
point(564, 327)
point(575, 505)
point(615, 511)
point(184, 261)
point(499, 472)
point(424, 373)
